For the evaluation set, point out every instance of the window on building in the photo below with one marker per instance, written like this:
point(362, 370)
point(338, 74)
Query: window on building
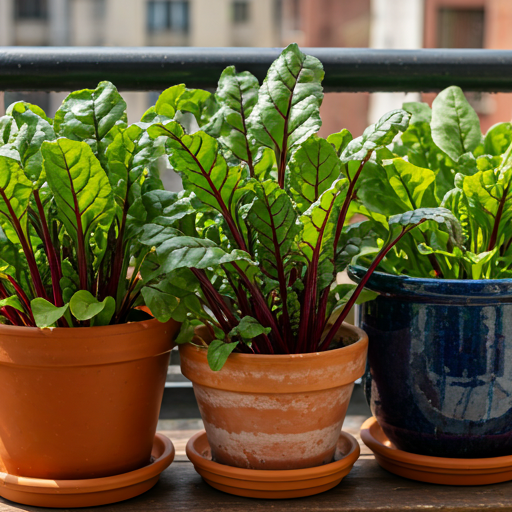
point(168, 15)
point(241, 11)
point(460, 28)
point(31, 9)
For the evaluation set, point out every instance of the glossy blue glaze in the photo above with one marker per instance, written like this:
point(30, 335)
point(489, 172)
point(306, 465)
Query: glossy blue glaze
point(439, 375)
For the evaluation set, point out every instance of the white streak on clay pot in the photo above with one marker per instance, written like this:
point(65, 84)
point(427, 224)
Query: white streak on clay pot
point(275, 412)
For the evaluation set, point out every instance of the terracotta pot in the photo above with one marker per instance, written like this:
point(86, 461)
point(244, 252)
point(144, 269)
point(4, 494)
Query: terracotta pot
point(276, 411)
point(80, 403)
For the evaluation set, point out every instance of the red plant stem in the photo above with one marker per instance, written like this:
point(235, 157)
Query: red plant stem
point(27, 249)
point(348, 200)
point(53, 260)
point(320, 317)
point(348, 306)
point(14, 315)
point(22, 296)
point(263, 313)
point(281, 277)
point(497, 220)
point(10, 313)
point(216, 302)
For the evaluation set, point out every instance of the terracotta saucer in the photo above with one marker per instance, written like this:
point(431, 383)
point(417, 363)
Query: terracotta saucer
point(89, 492)
point(434, 470)
point(272, 484)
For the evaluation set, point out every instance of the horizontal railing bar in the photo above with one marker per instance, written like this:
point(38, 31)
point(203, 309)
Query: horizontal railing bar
point(155, 68)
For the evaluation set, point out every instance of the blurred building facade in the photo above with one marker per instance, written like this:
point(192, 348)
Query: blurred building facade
point(268, 23)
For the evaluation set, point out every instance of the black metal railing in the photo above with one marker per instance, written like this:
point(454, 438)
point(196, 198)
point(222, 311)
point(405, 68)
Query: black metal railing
point(347, 69)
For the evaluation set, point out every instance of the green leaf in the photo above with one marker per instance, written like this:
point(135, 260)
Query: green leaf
point(249, 328)
point(237, 95)
point(105, 316)
point(313, 169)
point(45, 313)
point(167, 103)
point(185, 251)
point(353, 239)
point(15, 194)
point(33, 130)
point(421, 112)
point(273, 217)
point(376, 135)
point(441, 216)
point(455, 125)
point(159, 298)
point(84, 306)
point(81, 188)
point(498, 139)
point(13, 302)
point(89, 115)
point(218, 353)
point(345, 291)
point(288, 107)
point(187, 331)
point(340, 140)
point(412, 184)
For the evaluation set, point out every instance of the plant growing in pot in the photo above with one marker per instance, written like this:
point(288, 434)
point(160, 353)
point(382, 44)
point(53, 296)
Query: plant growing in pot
point(82, 367)
point(439, 367)
point(263, 233)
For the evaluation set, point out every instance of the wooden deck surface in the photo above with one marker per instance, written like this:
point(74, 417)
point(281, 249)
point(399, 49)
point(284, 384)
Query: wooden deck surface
point(367, 487)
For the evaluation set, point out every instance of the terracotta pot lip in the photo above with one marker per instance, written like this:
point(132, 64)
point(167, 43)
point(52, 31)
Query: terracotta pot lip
point(363, 337)
point(370, 427)
point(59, 332)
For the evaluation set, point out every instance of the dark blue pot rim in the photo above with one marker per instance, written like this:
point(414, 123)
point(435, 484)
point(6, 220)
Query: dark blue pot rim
point(451, 291)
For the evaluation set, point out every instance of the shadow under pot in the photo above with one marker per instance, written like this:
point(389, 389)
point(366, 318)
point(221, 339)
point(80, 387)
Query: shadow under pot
point(276, 411)
point(439, 373)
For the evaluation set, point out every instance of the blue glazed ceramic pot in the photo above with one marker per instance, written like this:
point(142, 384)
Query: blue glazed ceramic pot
point(439, 375)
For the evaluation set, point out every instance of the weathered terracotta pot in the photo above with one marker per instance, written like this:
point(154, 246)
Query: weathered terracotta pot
point(80, 403)
point(276, 411)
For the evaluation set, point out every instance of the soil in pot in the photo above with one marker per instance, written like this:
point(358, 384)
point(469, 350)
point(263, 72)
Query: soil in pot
point(81, 403)
point(276, 411)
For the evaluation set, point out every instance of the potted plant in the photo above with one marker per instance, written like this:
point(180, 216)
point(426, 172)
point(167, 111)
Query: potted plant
point(263, 231)
point(439, 365)
point(82, 367)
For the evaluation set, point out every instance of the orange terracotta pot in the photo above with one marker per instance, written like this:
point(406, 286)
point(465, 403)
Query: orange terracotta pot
point(79, 403)
point(275, 411)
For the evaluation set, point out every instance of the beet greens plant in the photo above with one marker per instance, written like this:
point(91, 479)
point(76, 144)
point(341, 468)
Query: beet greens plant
point(443, 159)
point(75, 194)
point(253, 245)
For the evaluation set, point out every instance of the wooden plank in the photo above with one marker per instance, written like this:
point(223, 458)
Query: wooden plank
point(367, 488)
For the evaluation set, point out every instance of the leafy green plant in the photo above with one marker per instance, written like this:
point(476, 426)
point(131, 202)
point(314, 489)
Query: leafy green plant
point(253, 245)
point(443, 160)
point(72, 194)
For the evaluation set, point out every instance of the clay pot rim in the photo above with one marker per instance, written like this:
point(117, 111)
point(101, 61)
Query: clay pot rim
point(271, 475)
point(166, 453)
point(371, 432)
point(64, 332)
point(264, 358)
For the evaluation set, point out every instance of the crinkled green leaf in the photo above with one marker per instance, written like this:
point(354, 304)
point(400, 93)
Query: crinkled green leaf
point(81, 188)
point(288, 107)
point(236, 95)
point(498, 138)
point(89, 115)
point(160, 300)
point(376, 135)
point(313, 169)
point(273, 217)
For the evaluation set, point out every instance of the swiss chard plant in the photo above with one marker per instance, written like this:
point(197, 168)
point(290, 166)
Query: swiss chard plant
point(73, 204)
point(443, 160)
point(253, 245)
